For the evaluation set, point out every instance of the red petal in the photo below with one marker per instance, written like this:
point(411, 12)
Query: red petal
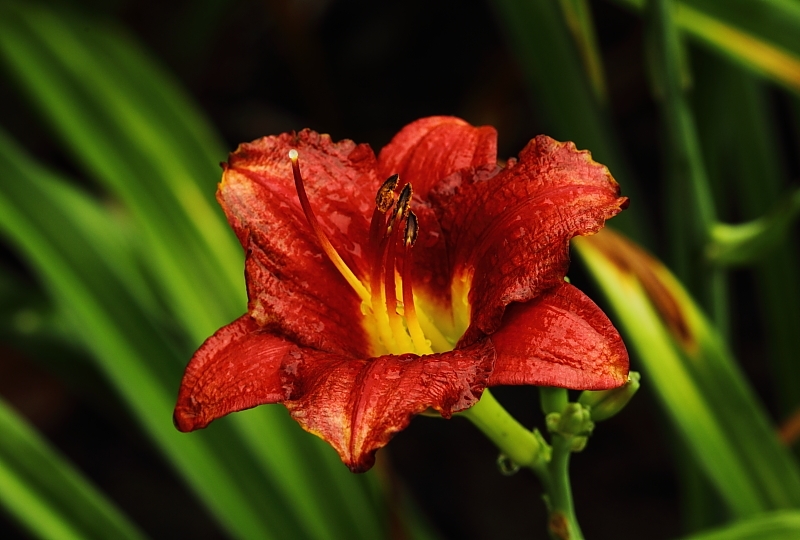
point(561, 339)
point(358, 405)
point(510, 233)
point(293, 287)
point(237, 368)
point(431, 149)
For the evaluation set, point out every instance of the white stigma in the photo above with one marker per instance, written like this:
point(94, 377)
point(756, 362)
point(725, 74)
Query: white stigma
point(293, 154)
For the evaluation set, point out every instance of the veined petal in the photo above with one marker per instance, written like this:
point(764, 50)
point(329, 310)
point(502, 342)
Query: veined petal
point(293, 287)
point(561, 339)
point(235, 369)
point(508, 234)
point(358, 405)
point(431, 149)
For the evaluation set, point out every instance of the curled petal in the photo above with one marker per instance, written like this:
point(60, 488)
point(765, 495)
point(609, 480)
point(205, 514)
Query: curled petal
point(358, 405)
point(431, 149)
point(293, 288)
point(235, 369)
point(561, 339)
point(508, 234)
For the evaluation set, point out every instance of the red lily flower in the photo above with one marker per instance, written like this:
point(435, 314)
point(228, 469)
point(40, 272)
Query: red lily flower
point(353, 334)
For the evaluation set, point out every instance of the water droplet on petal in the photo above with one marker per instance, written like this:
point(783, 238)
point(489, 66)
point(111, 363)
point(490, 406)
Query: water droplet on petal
point(506, 466)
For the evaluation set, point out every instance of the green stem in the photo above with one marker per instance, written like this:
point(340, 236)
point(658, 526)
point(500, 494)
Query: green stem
point(520, 445)
point(563, 523)
point(528, 449)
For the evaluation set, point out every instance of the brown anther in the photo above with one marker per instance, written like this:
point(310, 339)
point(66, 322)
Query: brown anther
point(400, 210)
point(404, 201)
point(412, 229)
point(385, 196)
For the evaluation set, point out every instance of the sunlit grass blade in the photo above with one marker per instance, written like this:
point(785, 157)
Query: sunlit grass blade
point(46, 494)
point(130, 347)
point(563, 96)
point(128, 142)
point(693, 374)
point(783, 525)
point(761, 36)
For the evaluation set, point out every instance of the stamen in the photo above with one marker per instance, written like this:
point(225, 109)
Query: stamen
point(383, 203)
point(420, 343)
point(392, 235)
point(390, 288)
point(324, 242)
point(382, 280)
point(377, 299)
point(439, 343)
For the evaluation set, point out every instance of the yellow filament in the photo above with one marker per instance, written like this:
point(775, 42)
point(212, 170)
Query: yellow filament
point(404, 344)
point(421, 344)
point(396, 324)
point(390, 291)
point(378, 302)
point(439, 343)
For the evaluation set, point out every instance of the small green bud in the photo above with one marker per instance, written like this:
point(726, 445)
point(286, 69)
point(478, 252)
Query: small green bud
point(573, 421)
point(606, 403)
point(552, 421)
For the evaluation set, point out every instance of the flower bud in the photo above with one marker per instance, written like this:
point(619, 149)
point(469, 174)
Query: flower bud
point(606, 403)
point(573, 421)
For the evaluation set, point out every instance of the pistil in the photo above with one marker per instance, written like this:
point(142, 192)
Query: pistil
point(324, 242)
